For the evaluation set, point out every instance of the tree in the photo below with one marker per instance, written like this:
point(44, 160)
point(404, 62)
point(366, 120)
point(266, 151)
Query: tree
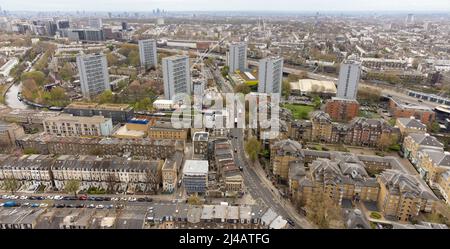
point(242, 88)
point(133, 58)
point(111, 181)
point(58, 97)
point(194, 200)
point(317, 102)
point(105, 97)
point(37, 76)
point(322, 209)
point(66, 72)
point(387, 140)
point(224, 71)
point(11, 184)
point(72, 186)
point(434, 127)
point(286, 88)
point(151, 180)
point(252, 148)
point(112, 59)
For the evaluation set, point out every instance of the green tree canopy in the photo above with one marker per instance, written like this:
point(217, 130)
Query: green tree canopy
point(252, 148)
point(37, 76)
point(72, 186)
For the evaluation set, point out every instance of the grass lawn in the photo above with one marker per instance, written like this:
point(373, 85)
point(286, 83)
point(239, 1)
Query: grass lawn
point(368, 114)
point(299, 111)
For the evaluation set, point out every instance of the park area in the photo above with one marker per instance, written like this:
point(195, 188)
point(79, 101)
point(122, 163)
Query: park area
point(299, 111)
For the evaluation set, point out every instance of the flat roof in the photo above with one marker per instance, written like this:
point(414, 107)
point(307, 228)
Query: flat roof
point(196, 167)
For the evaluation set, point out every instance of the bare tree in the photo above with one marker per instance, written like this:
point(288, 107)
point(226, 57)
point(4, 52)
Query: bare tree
point(152, 181)
point(111, 183)
point(11, 184)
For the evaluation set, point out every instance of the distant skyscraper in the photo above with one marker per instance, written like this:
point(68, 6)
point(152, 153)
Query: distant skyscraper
point(410, 19)
point(147, 53)
point(176, 75)
point(94, 76)
point(270, 75)
point(349, 76)
point(124, 26)
point(63, 24)
point(237, 56)
point(95, 23)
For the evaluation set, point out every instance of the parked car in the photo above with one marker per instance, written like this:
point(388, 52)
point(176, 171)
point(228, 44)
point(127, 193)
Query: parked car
point(23, 197)
point(91, 206)
point(81, 205)
point(132, 199)
point(82, 198)
point(99, 199)
point(99, 206)
point(140, 199)
point(35, 205)
point(43, 205)
point(110, 206)
point(60, 205)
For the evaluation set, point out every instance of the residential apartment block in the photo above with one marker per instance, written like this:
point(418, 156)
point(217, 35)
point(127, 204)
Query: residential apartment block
point(402, 196)
point(119, 113)
point(69, 125)
point(94, 76)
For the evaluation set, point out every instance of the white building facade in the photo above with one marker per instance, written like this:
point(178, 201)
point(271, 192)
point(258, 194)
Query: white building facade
point(270, 75)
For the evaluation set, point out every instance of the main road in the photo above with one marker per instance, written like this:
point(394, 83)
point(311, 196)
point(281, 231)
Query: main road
point(255, 180)
point(260, 188)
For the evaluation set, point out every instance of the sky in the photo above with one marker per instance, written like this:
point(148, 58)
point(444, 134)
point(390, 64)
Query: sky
point(227, 5)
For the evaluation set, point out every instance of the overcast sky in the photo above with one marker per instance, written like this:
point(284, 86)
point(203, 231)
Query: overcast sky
point(233, 5)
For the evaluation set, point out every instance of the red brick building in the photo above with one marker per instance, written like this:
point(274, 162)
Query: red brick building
point(399, 109)
point(342, 110)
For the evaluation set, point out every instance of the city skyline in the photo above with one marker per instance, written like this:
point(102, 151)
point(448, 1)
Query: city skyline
point(232, 5)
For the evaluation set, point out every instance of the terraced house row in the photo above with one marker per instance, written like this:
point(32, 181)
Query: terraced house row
point(145, 147)
point(114, 173)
